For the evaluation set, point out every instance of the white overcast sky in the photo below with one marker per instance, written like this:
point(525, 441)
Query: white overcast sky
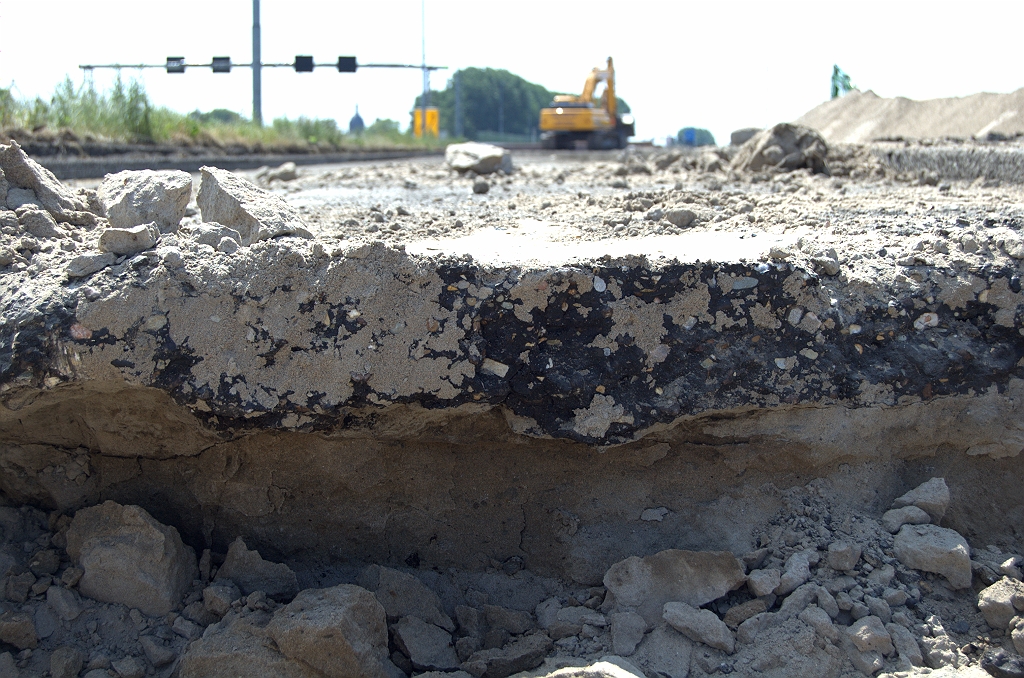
point(715, 64)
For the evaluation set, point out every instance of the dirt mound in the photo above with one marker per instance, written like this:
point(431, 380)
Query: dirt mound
point(861, 117)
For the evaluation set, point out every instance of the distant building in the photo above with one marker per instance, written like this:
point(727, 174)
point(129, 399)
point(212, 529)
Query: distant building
point(356, 124)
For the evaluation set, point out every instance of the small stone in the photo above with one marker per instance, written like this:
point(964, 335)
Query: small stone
point(843, 555)
point(66, 662)
point(429, 647)
point(515, 622)
point(869, 634)
point(654, 514)
point(128, 667)
point(763, 582)
point(19, 586)
point(894, 519)
point(156, 652)
point(1002, 664)
point(71, 576)
point(217, 597)
point(1001, 601)
point(186, 629)
point(680, 218)
point(18, 629)
point(627, 631)
point(702, 626)
point(796, 573)
point(403, 595)
point(738, 614)
point(932, 497)
point(818, 619)
point(44, 562)
point(249, 572)
point(63, 603)
point(87, 264)
point(906, 645)
point(129, 240)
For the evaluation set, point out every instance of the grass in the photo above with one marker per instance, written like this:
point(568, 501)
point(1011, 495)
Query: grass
point(125, 114)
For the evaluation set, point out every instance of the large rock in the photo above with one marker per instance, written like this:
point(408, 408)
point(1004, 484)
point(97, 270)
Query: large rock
point(132, 198)
point(1001, 602)
point(39, 223)
point(742, 136)
point(18, 629)
point(935, 549)
point(480, 158)
point(702, 626)
point(428, 647)
point(230, 200)
point(783, 147)
point(869, 634)
point(22, 171)
point(403, 595)
point(238, 650)
point(339, 631)
point(644, 585)
point(932, 497)
point(130, 558)
point(247, 570)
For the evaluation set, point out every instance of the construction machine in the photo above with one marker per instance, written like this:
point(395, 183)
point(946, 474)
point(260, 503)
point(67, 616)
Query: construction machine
point(571, 118)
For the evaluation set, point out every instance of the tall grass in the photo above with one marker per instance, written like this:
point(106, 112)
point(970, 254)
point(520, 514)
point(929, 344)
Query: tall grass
point(125, 113)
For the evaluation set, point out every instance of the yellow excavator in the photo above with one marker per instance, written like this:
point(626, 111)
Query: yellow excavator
point(571, 118)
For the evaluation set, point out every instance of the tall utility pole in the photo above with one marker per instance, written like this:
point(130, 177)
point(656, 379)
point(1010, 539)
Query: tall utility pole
point(426, 73)
point(458, 105)
point(257, 64)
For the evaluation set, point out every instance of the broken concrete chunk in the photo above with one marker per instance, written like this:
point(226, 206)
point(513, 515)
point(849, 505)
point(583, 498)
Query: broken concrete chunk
point(128, 240)
point(18, 629)
point(87, 264)
point(251, 573)
point(702, 626)
point(764, 582)
point(284, 172)
point(783, 147)
point(130, 558)
point(217, 597)
point(894, 519)
point(39, 223)
point(628, 630)
point(935, 549)
point(230, 200)
point(843, 555)
point(156, 652)
point(63, 603)
point(212, 234)
point(796, 573)
point(663, 651)
point(428, 647)
point(340, 631)
point(66, 662)
point(239, 649)
point(515, 622)
point(136, 197)
point(738, 614)
point(22, 171)
point(644, 585)
point(680, 218)
point(404, 595)
point(819, 620)
point(522, 654)
point(932, 497)
point(480, 158)
point(1001, 602)
point(906, 644)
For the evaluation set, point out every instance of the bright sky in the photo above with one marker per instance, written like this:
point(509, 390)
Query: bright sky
point(718, 64)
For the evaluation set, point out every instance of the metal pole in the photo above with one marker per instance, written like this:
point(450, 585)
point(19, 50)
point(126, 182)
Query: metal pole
point(426, 73)
point(458, 105)
point(257, 93)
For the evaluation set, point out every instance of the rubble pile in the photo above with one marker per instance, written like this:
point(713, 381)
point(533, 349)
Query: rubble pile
point(245, 435)
point(113, 592)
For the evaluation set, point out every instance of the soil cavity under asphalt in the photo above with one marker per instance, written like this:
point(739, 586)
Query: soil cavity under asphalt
point(645, 413)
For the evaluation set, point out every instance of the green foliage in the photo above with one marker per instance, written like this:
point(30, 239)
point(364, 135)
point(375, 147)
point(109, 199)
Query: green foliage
point(126, 114)
point(695, 136)
point(492, 100)
point(221, 115)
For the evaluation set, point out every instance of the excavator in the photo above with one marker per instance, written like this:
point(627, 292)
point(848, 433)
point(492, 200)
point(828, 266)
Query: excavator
point(571, 118)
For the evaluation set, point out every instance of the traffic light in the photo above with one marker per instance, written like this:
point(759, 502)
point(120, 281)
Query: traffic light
point(347, 64)
point(221, 64)
point(303, 64)
point(175, 64)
